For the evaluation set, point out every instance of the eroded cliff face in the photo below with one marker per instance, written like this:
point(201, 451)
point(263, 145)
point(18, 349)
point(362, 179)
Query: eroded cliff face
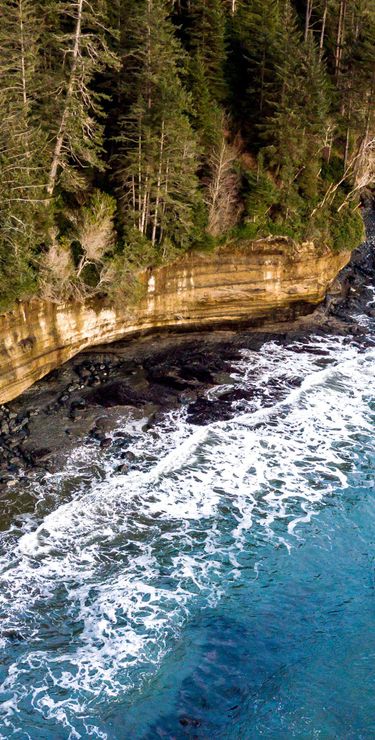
point(259, 282)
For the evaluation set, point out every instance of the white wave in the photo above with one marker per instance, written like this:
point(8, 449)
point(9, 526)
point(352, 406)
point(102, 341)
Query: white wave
point(120, 566)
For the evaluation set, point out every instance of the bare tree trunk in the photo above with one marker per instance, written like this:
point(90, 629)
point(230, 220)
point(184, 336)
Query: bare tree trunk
point(158, 190)
point(166, 186)
point(23, 62)
point(340, 37)
point(262, 75)
point(309, 9)
point(140, 180)
point(323, 30)
point(145, 208)
point(347, 143)
point(23, 78)
point(64, 118)
point(134, 200)
point(149, 100)
point(215, 186)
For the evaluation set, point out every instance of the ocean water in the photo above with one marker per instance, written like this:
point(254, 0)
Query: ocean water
point(224, 587)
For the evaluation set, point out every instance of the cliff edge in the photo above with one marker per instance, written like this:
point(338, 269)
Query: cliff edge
point(251, 283)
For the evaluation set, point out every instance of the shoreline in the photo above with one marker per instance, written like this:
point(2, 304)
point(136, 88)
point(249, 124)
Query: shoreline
point(145, 377)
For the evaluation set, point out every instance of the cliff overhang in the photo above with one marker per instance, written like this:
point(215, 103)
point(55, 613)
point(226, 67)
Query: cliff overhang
point(251, 283)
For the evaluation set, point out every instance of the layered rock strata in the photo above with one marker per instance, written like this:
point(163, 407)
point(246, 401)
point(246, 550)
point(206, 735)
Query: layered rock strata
point(253, 283)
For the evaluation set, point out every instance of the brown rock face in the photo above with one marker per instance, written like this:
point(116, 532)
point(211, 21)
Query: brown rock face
point(256, 283)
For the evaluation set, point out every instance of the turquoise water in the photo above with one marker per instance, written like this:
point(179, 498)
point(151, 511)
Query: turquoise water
point(223, 587)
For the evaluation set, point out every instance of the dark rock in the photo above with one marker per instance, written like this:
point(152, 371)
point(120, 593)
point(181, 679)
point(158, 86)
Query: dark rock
point(169, 378)
point(130, 456)
point(106, 442)
point(123, 468)
point(78, 403)
point(203, 411)
point(40, 454)
point(13, 468)
point(104, 423)
point(117, 393)
point(12, 635)
point(75, 415)
point(23, 434)
point(197, 372)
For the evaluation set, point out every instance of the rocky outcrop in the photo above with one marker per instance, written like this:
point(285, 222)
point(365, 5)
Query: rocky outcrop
point(253, 283)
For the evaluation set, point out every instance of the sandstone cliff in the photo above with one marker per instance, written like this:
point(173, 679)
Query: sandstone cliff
point(254, 283)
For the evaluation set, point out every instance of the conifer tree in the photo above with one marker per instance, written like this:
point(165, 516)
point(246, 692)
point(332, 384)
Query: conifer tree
point(206, 33)
point(157, 157)
point(295, 131)
point(22, 172)
point(81, 43)
point(256, 27)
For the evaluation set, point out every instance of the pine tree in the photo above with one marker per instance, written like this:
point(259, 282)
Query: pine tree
point(206, 40)
point(81, 43)
point(257, 56)
point(294, 133)
point(22, 145)
point(157, 157)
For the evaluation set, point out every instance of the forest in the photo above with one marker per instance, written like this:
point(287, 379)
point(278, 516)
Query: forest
point(133, 130)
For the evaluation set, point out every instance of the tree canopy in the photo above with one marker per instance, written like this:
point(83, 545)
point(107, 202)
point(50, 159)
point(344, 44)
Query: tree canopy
point(132, 130)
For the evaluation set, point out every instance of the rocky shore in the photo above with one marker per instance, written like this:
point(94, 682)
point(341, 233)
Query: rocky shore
point(84, 400)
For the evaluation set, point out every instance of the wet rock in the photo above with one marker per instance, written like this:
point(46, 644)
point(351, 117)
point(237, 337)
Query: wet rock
point(116, 393)
point(203, 411)
point(197, 372)
point(123, 468)
point(37, 457)
point(12, 635)
point(104, 424)
point(75, 415)
point(169, 377)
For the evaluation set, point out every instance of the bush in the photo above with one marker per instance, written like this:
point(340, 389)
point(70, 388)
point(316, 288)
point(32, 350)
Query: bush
point(347, 228)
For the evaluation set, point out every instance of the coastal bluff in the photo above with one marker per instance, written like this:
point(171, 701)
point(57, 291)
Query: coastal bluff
point(254, 282)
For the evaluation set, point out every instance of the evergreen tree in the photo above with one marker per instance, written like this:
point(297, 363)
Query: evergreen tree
point(221, 112)
point(257, 56)
point(22, 173)
point(81, 44)
point(206, 40)
point(157, 158)
point(294, 133)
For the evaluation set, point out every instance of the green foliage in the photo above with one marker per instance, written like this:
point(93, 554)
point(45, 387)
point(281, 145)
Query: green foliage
point(346, 228)
point(156, 159)
point(191, 123)
point(18, 279)
point(263, 197)
point(206, 42)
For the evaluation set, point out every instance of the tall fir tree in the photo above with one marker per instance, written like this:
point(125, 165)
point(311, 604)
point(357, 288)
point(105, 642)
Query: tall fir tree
point(294, 132)
point(22, 145)
point(82, 51)
point(256, 55)
point(206, 30)
point(157, 155)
